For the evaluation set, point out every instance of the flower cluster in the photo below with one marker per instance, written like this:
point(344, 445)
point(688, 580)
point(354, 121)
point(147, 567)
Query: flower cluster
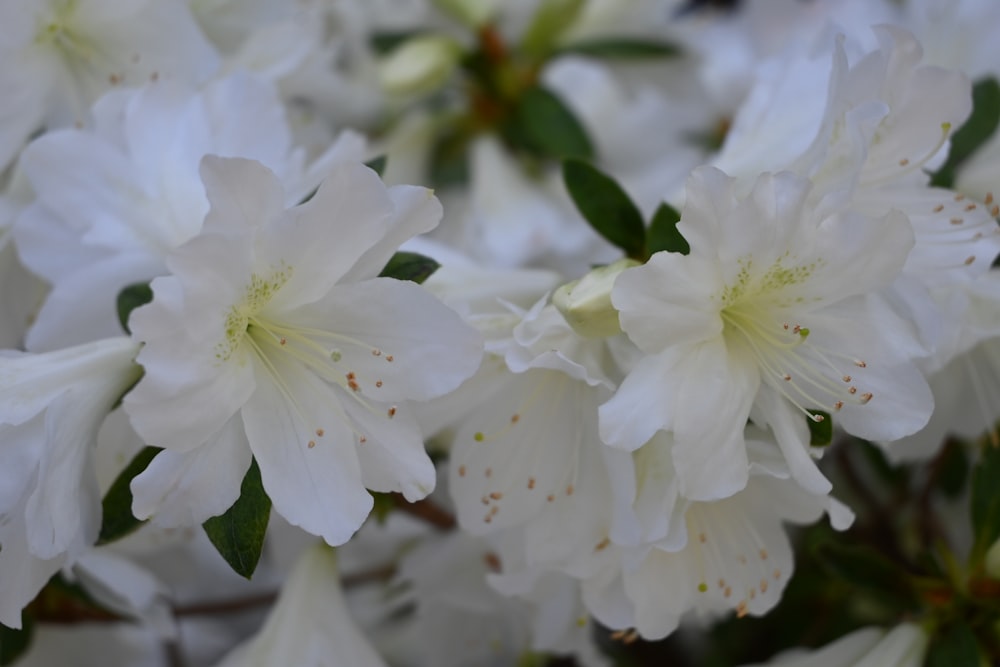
point(676, 257)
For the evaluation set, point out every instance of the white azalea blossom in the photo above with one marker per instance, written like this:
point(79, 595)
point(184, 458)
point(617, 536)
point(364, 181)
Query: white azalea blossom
point(903, 646)
point(766, 318)
point(296, 349)
point(51, 407)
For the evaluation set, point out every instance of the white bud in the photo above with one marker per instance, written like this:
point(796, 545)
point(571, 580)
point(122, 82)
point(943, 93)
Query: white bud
point(419, 65)
point(586, 303)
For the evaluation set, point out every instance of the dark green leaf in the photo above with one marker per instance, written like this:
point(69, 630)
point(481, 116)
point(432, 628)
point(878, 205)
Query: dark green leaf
point(608, 209)
point(980, 126)
point(663, 233)
point(551, 19)
point(449, 161)
point(384, 42)
point(986, 501)
point(378, 164)
point(820, 432)
point(955, 646)
point(543, 125)
point(952, 469)
point(409, 266)
point(622, 49)
point(13, 643)
point(868, 570)
point(131, 298)
point(118, 520)
point(238, 534)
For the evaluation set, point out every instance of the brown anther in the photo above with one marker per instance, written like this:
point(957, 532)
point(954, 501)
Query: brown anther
point(515, 418)
point(485, 500)
point(351, 375)
point(378, 384)
point(362, 439)
point(989, 198)
point(114, 79)
point(847, 378)
point(904, 162)
point(852, 390)
point(488, 472)
point(838, 405)
point(283, 341)
point(702, 538)
point(786, 377)
point(569, 489)
point(956, 221)
point(617, 635)
point(531, 482)
point(860, 364)
point(970, 207)
point(777, 574)
point(722, 583)
point(311, 444)
point(753, 593)
point(959, 197)
point(461, 471)
point(602, 545)
point(551, 498)
point(631, 638)
point(865, 397)
point(995, 211)
point(391, 412)
point(389, 358)
point(376, 352)
point(939, 208)
point(492, 561)
point(320, 432)
point(969, 260)
point(763, 585)
point(741, 609)
point(763, 554)
point(353, 385)
point(496, 495)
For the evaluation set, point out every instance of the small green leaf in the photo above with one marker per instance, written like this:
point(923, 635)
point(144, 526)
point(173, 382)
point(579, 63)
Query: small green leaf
point(384, 42)
point(606, 206)
point(409, 266)
point(869, 571)
point(13, 643)
point(383, 505)
point(980, 126)
point(820, 432)
point(663, 233)
point(129, 299)
point(543, 125)
point(551, 20)
point(377, 164)
point(238, 534)
point(118, 520)
point(986, 501)
point(955, 646)
point(622, 49)
point(449, 161)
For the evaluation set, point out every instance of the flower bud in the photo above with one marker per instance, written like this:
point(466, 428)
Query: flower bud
point(586, 303)
point(419, 65)
point(472, 13)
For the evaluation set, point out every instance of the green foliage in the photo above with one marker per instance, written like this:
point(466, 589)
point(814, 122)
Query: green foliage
point(871, 571)
point(542, 125)
point(377, 164)
point(13, 643)
point(606, 206)
point(383, 505)
point(129, 299)
point(820, 432)
point(980, 126)
point(952, 469)
point(985, 502)
point(622, 49)
point(383, 43)
point(956, 646)
point(663, 233)
point(118, 520)
point(238, 534)
point(409, 266)
point(550, 21)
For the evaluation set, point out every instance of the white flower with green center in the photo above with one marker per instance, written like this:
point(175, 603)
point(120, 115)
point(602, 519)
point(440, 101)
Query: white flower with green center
point(766, 318)
point(274, 331)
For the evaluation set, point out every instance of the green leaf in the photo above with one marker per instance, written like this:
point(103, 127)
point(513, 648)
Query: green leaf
point(952, 469)
point(622, 49)
point(543, 125)
point(869, 571)
point(377, 164)
point(383, 505)
point(821, 432)
point(238, 534)
point(608, 209)
point(129, 299)
point(956, 646)
point(409, 266)
point(449, 161)
point(384, 42)
point(986, 502)
point(551, 20)
point(663, 233)
point(980, 126)
point(118, 520)
point(13, 643)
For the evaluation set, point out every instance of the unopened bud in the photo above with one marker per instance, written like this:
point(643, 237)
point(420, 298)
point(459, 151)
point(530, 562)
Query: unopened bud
point(551, 20)
point(419, 65)
point(586, 303)
point(472, 13)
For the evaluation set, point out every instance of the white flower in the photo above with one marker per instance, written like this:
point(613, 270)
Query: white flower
point(766, 318)
point(145, 147)
point(274, 331)
point(903, 646)
point(310, 623)
point(57, 57)
point(51, 406)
